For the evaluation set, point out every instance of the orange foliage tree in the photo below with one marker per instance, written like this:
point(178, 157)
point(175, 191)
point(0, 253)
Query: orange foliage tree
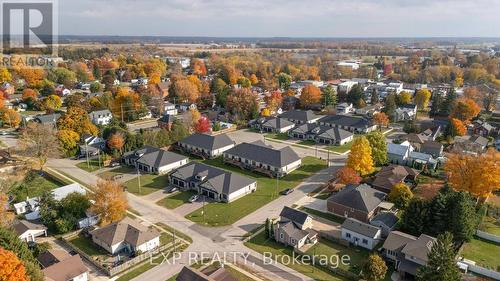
point(465, 110)
point(273, 101)
point(10, 117)
point(11, 268)
point(478, 175)
point(381, 119)
point(110, 202)
point(347, 175)
point(457, 127)
point(116, 141)
point(185, 90)
point(198, 67)
point(310, 95)
point(29, 94)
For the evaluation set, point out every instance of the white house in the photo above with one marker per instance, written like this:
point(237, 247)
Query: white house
point(101, 117)
point(405, 112)
point(169, 108)
point(399, 153)
point(154, 160)
point(29, 231)
point(127, 236)
point(344, 108)
point(206, 145)
point(360, 233)
point(346, 86)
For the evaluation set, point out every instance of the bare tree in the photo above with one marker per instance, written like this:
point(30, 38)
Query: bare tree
point(40, 142)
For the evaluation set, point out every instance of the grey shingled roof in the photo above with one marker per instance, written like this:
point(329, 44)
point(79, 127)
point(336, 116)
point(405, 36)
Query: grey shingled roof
point(294, 215)
point(346, 120)
point(48, 118)
point(396, 240)
point(277, 123)
point(260, 152)
point(360, 197)
point(391, 175)
point(127, 230)
point(420, 247)
point(154, 157)
point(22, 226)
point(387, 218)
point(66, 269)
point(207, 141)
point(301, 115)
point(323, 131)
point(191, 274)
point(362, 228)
point(216, 179)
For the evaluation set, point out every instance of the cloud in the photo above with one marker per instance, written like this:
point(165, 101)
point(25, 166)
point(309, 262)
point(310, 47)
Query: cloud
point(324, 18)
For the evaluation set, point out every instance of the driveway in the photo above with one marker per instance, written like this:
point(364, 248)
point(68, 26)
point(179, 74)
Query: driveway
point(313, 203)
point(188, 208)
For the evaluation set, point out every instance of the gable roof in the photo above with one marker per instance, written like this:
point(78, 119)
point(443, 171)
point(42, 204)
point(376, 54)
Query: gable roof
point(346, 120)
point(66, 269)
point(95, 114)
point(360, 197)
point(277, 123)
point(294, 215)
point(260, 152)
point(396, 240)
point(388, 219)
point(398, 149)
point(323, 131)
point(154, 157)
point(191, 274)
point(420, 247)
point(61, 192)
point(20, 227)
point(391, 175)
point(362, 228)
point(482, 141)
point(300, 115)
point(52, 256)
point(207, 141)
point(47, 118)
point(414, 138)
point(127, 230)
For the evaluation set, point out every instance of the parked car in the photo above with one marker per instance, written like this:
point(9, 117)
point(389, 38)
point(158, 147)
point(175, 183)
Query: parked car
point(173, 189)
point(114, 164)
point(287, 191)
point(194, 198)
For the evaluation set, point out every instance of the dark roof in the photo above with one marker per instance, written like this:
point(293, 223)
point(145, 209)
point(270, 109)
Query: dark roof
point(325, 132)
point(48, 118)
point(292, 230)
point(479, 140)
point(391, 175)
point(191, 274)
point(23, 225)
point(431, 145)
point(414, 138)
point(153, 156)
point(127, 230)
point(387, 218)
point(396, 240)
point(277, 123)
point(260, 152)
point(66, 269)
point(52, 256)
point(346, 120)
point(362, 228)
point(360, 197)
point(294, 215)
point(222, 181)
point(301, 115)
point(207, 141)
point(167, 118)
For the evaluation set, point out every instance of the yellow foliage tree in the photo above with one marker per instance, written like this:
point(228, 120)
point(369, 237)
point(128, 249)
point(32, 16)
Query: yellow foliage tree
point(422, 98)
point(110, 202)
point(5, 75)
point(11, 268)
point(265, 112)
point(10, 117)
point(405, 98)
point(360, 157)
point(478, 175)
point(6, 216)
point(68, 140)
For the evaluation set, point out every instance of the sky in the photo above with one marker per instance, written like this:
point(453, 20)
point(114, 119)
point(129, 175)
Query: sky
point(281, 18)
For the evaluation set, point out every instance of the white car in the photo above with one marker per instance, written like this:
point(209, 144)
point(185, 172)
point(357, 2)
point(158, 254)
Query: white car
point(193, 198)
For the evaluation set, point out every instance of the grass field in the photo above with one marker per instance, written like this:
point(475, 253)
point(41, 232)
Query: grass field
point(484, 253)
point(278, 136)
point(490, 225)
point(149, 184)
point(356, 255)
point(92, 166)
point(328, 216)
point(110, 174)
point(177, 233)
point(34, 185)
point(218, 214)
point(87, 246)
point(176, 200)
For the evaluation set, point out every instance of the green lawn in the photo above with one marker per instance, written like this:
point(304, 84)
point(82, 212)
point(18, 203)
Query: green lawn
point(328, 216)
point(356, 255)
point(33, 185)
point(307, 142)
point(484, 253)
point(237, 275)
point(110, 174)
point(490, 225)
point(176, 200)
point(262, 244)
point(278, 136)
point(93, 165)
point(177, 233)
point(87, 246)
point(218, 214)
point(149, 184)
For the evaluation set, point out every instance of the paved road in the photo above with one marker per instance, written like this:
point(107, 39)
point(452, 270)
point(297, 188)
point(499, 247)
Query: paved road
point(221, 240)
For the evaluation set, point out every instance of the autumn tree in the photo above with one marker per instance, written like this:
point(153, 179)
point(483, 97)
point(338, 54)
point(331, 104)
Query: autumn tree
point(265, 112)
point(310, 95)
point(6, 216)
point(192, 118)
point(77, 120)
point(11, 268)
point(441, 263)
point(29, 96)
point(116, 141)
point(198, 67)
point(51, 103)
point(457, 128)
point(110, 202)
point(273, 101)
point(253, 79)
point(5, 75)
point(10, 117)
point(347, 175)
point(127, 104)
point(284, 81)
point(381, 119)
point(478, 175)
point(328, 96)
point(374, 269)
point(185, 90)
point(422, 98)
point(68, 141)
point(404, 98)
point(203, 125)
point(243, 103)
point(40, 142)
point(465, 109)
point(400, 195)
point(360, 158)
point(10, 241)
point(378, 145)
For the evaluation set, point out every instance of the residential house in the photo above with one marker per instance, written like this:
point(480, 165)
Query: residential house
point(60, 266)
point(471, 144)
point(361, 234)
point(345, 108)
point(101, 117)
point(166, 121)
point(482, 128)
point(421, 160)
point(407, 252)
point(62, 192)
point(127, 236)
point(349, 123)
point(154, 160)
point(259, 157)
point(433, 148)
point(399, 153)
point(169, 108)
point(370, 110)
point(162, 87)
point(346, 86)
point(300, 116)
point(405, 112)
point(294, 228)
point(215, 184)
point(186, 106)
point(272, 124)
point(204, 145)
point(386, 221)
point(356, 201)
point(47, 119)
point(289, 102)
point(29, 231)
point(28, 206)
point(92, 145)
point(432, 133)
point(207, 274)
point(391, 175)
point(322, 134)
point(416, 140)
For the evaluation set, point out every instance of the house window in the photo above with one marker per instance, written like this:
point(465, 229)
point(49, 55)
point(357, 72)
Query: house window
point(348, 235)
point(282, 236)
point(364, 241)
point(293, 241)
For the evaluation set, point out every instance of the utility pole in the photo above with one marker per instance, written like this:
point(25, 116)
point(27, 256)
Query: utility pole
point(328, 163)
point(174, 242)
point(87, 155)
point(139, 180)
point(203, 210)
point(277, 184)
point(121, 107)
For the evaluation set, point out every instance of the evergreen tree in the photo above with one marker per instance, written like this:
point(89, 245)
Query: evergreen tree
point(328, 96)
point(355, 94)
point(441, 265)
point(449, 103)
point(414, 217)
point(436, 105)
point(375, 97)
point(462, 216)
point(390, 105)
point(438, 214)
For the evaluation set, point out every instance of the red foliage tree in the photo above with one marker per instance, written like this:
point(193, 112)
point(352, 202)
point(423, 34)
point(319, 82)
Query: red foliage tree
point(347, 175)
point(203, 125)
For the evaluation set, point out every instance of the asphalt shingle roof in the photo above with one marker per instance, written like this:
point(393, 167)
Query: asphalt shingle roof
point(294, 215)
point(362, 228)
point(260, 152)
point(127, 230)
point(154, 157)
point(346, 120)
point(207, 141)
point(360, 197)
point(301, 115)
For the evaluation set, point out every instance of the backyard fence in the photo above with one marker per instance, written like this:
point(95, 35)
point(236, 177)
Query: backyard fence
point(488, 236)
point(480, 270)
